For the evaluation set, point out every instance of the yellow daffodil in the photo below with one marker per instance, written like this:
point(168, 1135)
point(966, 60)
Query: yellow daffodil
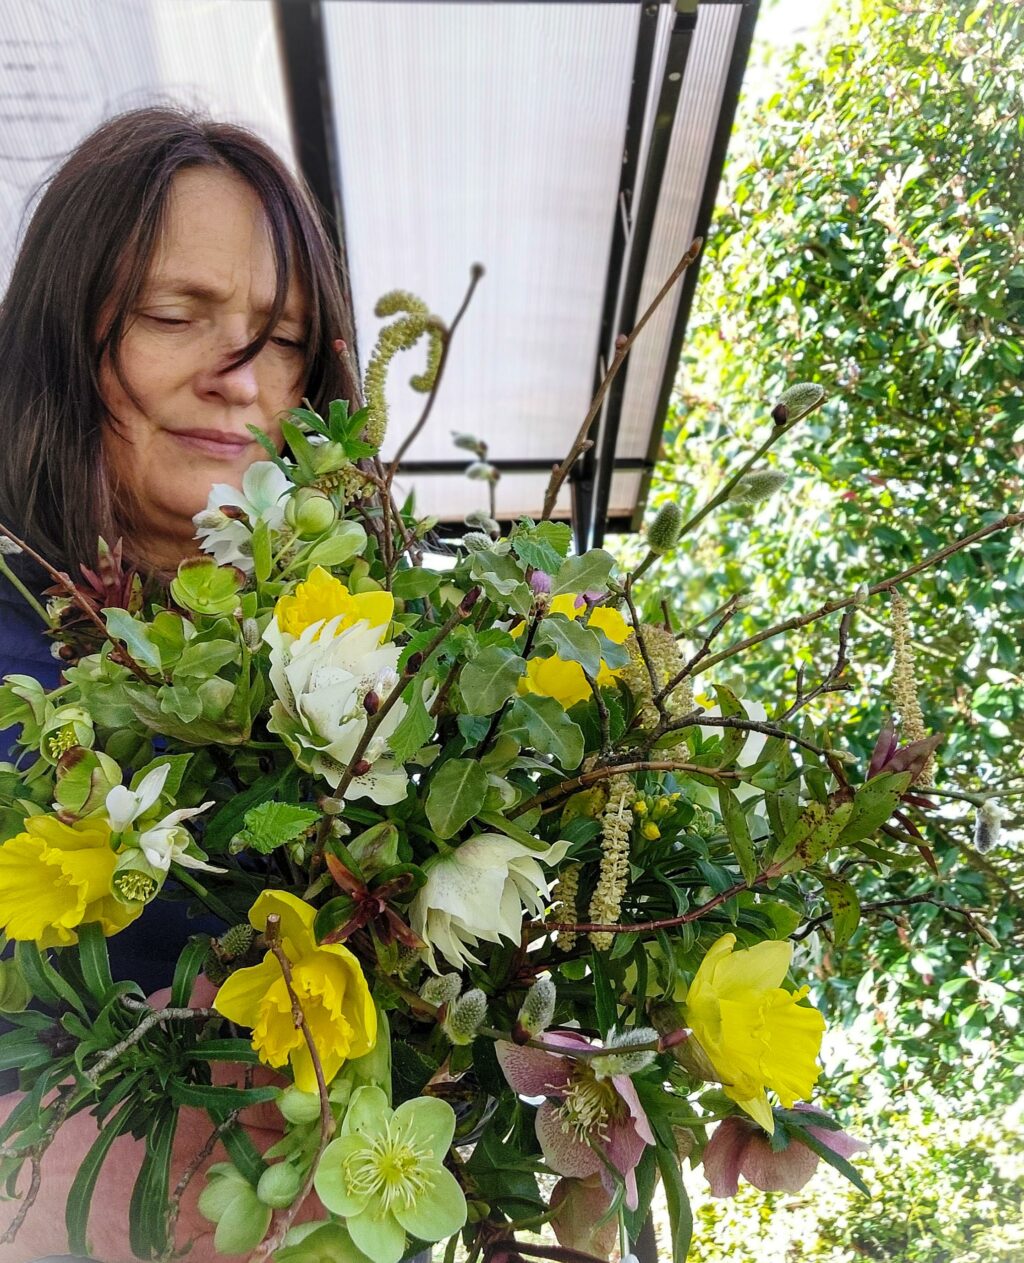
point(564, 680)
point(329, 985)
point(321, 597)
point(756, 1035)
point(55, 877)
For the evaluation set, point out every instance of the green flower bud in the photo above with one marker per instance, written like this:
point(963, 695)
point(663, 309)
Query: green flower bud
point(237, 941)
point(66, 728)
point(230, 1201)
point(758, 485)
point(279, 1185)
point(215, 969)
point(465, 1016)
point(251, 635)
point(538, 1009)
point(481, 520)
point(797, 401)
point(442, 990)
point(482, 471)
point(15, 992)
point(310, 513)
point(299, 1107)
point(663, 533)
point(84, 778)
point(477, 542)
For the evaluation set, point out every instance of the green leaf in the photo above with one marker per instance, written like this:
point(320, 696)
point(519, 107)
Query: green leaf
point(542, 546)
point(680, 1216)
point(415, 582)
point(571, 641)
point(224, 1050)
point(587, 573)
point(873, 804)
point(490, 679)
point(842, 899)
point(45, 981)
point(176, 764)
point(816, 831)
point(186, 971)
point(92, 955)
point(511, 830)
point(831, 1157)
point(414, 730)
point(547, 728)
point(606, 1008)
point(147, 1227)
point(262, 553)
point(738, 831)
point(347, 541)
point(272, 824)
point(133, 635)
point(227, 821)
point(457, 792)
point(79, 1199)
point(209, 1097)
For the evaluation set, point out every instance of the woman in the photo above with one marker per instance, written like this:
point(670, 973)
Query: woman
point(175, 287)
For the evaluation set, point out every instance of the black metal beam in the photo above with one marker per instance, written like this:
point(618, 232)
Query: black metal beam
point(705, 211)
point(582, 479)
point(307, 85)
point(680, 40)
point(525, 466)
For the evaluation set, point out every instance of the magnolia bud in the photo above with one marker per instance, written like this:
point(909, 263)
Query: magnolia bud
point(758, 485)
point(464, 1017)
point(310, 513)
point(482, 471)
point(251, 634)
point(797, 401)
point(442, 990)
point(538, 1010)
point(988, 825)
point(861, 595)
point(623, 1056)
point(663, 533)
point(469, 443)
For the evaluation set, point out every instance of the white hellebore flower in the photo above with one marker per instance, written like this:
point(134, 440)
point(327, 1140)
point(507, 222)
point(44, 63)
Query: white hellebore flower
point(165, 842)
point(321, 679)
point(479, 891)
point(260, 499)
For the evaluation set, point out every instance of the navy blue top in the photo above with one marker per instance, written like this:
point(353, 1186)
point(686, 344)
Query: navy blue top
point(147, 950)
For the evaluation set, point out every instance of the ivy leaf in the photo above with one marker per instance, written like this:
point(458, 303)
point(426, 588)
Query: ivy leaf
point(457, 793)
point(272, 824)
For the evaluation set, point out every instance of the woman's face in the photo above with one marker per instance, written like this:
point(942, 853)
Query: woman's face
point(209, 288)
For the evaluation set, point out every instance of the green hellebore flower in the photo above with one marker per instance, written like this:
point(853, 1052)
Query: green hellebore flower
point(230, 1201)
point(203, 587)
point(319, 1243)
point(385, 1176)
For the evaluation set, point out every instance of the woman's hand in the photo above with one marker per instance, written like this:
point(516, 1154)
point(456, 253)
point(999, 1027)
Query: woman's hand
point(43, 1232)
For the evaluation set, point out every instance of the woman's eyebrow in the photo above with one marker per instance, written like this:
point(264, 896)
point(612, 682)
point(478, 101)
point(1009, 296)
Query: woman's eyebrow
point(173, 288)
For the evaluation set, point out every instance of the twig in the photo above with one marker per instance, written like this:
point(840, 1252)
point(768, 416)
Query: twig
point(622, 346)
point(769, 730)
point(564, 788)
point(833, 682)
point(187, 1176)
point(154, 1018)
point(266, 1250)
point(688, 668)
point(641, 643)
point(475, 274)
point(910, 900)
point(802, 620)
point(66, 582)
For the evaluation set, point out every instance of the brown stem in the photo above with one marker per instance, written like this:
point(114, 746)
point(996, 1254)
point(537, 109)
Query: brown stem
point(802, 620)
point(623, 344)
point(266, 1250)
point(564, 788)
point(475, 274)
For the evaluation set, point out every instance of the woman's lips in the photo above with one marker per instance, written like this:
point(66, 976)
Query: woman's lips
point(220, 444)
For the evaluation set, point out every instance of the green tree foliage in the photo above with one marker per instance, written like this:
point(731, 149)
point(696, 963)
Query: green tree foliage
point(870, 237)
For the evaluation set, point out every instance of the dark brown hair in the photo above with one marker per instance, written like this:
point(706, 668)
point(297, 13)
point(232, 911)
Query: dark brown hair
point(90, 240)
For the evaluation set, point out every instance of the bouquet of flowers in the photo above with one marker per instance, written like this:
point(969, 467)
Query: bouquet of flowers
point(504, 877)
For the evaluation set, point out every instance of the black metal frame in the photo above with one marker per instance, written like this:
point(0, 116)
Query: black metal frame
point(713, 176)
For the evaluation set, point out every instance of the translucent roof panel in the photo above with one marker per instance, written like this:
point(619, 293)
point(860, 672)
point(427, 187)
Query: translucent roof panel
point(67, 65)
point(488, 133)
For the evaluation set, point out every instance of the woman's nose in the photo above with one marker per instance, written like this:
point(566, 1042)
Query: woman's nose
point(235, 384)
